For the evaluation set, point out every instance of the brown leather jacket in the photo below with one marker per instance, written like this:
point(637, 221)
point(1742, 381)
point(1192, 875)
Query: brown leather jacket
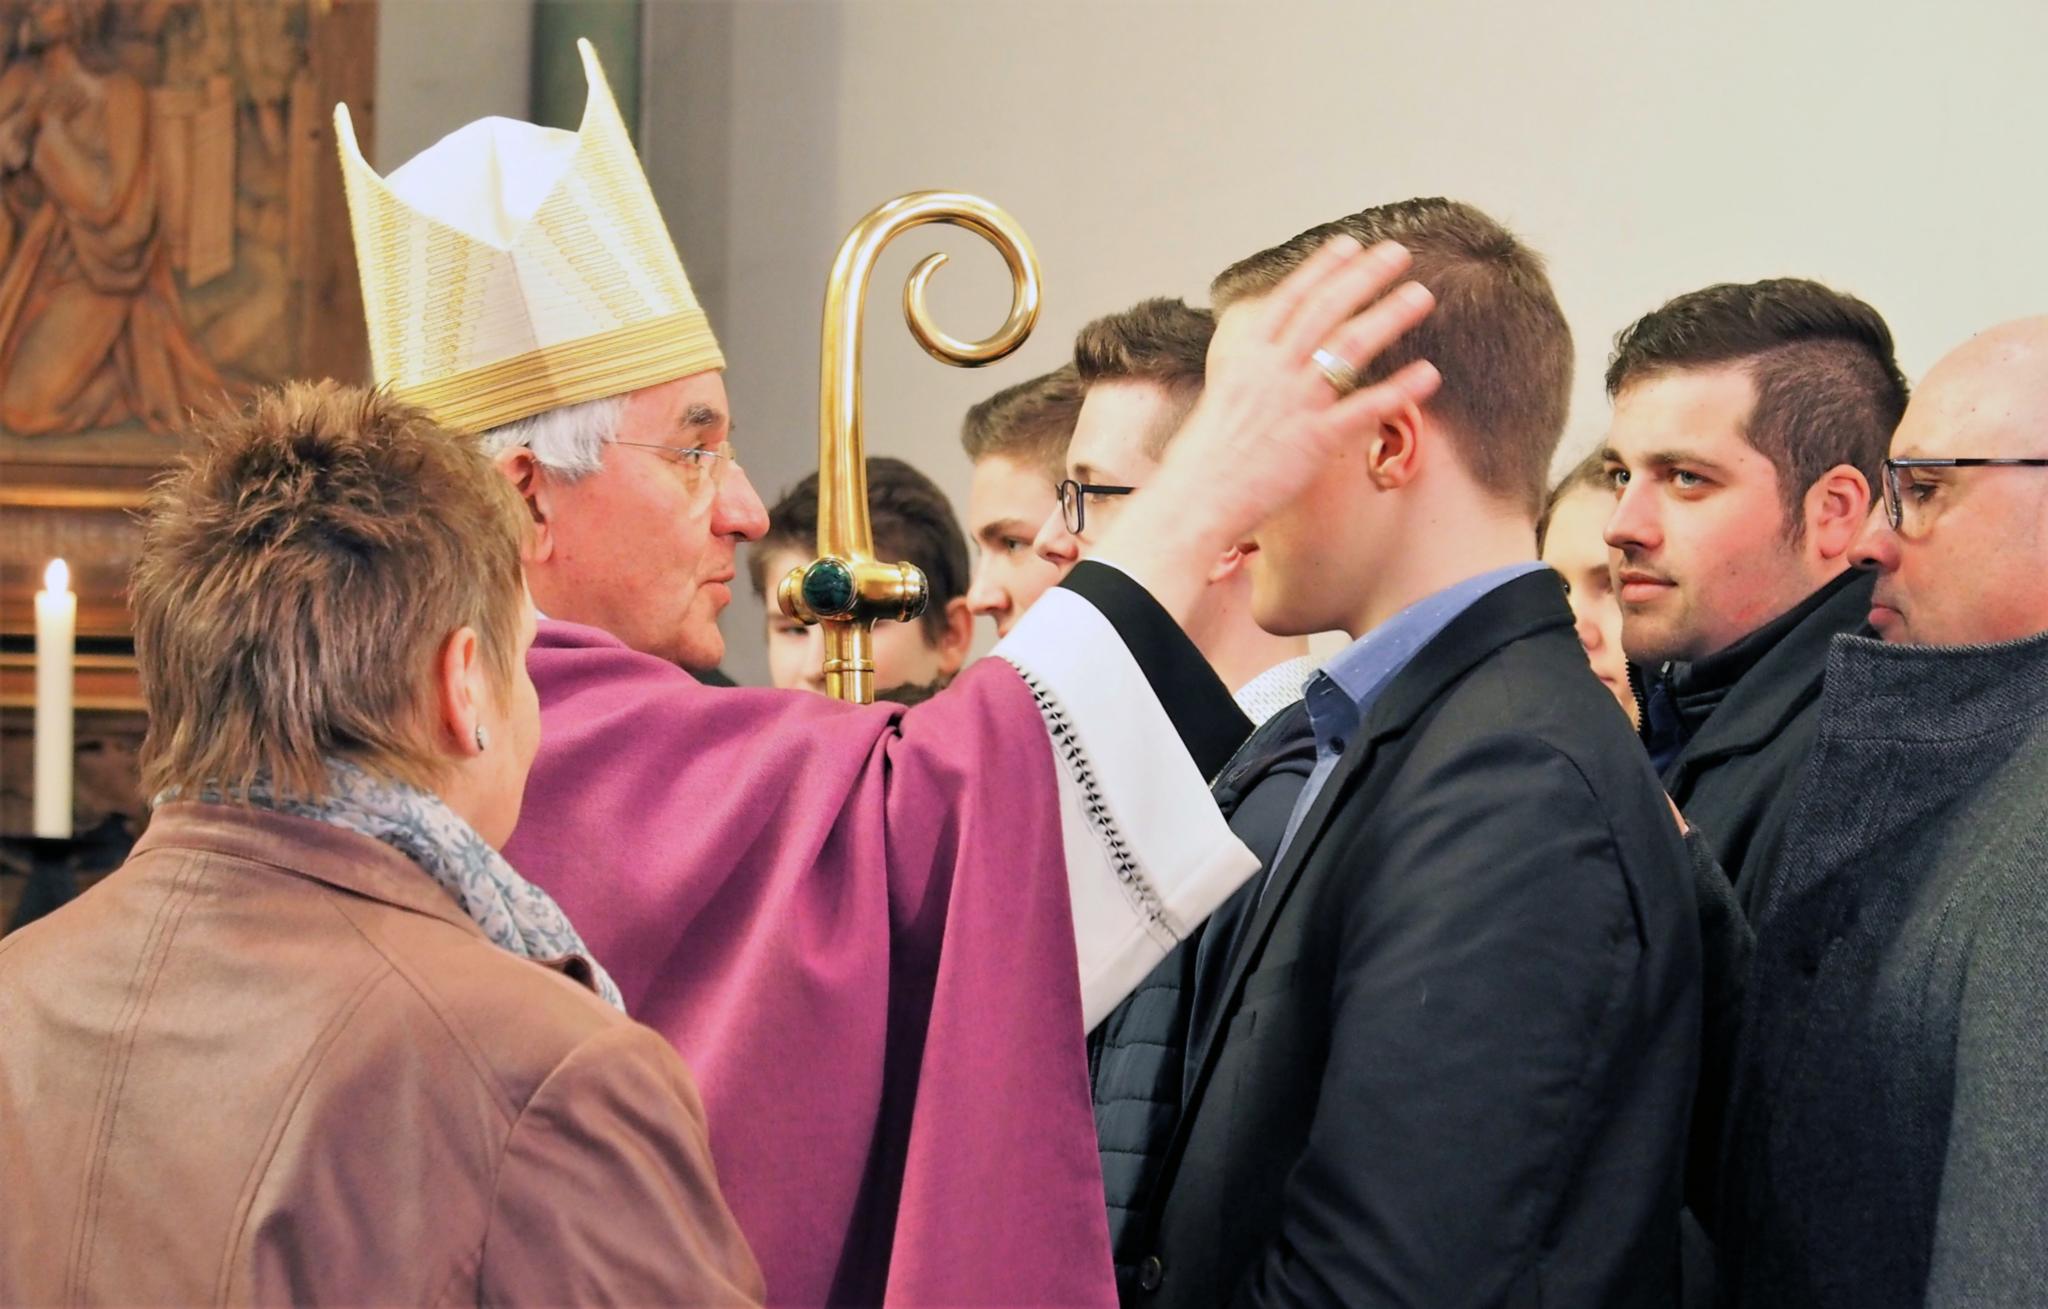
point(271, 1061)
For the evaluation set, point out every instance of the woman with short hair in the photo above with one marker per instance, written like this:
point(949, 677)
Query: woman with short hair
point(316, 1041)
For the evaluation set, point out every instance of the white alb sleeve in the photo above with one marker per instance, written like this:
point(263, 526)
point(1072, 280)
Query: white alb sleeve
point(1149, 856)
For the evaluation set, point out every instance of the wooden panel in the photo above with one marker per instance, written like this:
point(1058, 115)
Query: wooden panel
point(211, 206)
point(98, 539)
point(333, 338)
point(103, 682)
point(212, 120)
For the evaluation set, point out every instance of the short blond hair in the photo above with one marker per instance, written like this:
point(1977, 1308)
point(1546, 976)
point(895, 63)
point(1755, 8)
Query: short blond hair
point(301, 568)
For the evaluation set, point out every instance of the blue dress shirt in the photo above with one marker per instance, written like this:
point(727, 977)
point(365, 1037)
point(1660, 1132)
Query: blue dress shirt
point(1339, 697)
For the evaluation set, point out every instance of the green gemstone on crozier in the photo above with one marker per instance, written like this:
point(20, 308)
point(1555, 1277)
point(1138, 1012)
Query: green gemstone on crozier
point(828, 587)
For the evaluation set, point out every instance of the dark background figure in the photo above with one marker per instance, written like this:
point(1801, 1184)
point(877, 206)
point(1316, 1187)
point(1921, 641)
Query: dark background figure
point(1141, 369)
point(1570, 538)
point(913, 523)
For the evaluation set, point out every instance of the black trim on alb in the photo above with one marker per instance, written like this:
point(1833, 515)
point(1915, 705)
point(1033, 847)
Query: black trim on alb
point(1210, 724)
point(1100, 820)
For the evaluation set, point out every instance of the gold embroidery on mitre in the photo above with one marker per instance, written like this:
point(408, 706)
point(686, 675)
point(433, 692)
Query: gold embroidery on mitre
point(518, 314)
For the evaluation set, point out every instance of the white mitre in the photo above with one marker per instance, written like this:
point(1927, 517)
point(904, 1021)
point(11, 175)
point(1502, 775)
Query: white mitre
point(510, 269)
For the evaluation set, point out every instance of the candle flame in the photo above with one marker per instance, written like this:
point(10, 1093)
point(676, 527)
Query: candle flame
point(57, 577)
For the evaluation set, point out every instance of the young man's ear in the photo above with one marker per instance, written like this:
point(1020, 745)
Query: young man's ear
point(1836, 508)
point(1394, 455)
point(958, 638)
point(536, 490)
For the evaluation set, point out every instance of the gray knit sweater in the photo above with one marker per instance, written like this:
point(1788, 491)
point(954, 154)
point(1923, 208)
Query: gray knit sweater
point(1887, 1142)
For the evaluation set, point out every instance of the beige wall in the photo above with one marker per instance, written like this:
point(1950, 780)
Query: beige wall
point(442, 63)
point(1646, 149)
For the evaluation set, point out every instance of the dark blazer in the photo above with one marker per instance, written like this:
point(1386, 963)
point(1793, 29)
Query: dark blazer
point(1452, 1059)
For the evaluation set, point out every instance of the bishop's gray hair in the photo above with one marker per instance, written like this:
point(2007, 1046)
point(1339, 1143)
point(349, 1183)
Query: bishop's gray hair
point(569, 442)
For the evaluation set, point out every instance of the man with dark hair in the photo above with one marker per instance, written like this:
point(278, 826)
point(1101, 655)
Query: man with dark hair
point(1017, 439)
point(1448, 1052)
point(911, 521)
point(1749, 422)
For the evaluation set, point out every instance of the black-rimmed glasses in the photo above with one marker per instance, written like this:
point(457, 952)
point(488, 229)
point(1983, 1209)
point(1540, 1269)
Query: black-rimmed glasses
point(1894, 502)
point(1074, 501)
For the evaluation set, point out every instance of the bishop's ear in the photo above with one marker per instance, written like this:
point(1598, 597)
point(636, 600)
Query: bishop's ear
point(958, 639)
point(536, 492)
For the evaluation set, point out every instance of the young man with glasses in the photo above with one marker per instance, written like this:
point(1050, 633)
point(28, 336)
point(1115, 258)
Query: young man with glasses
point(1888, 1131)
point(1141, 371)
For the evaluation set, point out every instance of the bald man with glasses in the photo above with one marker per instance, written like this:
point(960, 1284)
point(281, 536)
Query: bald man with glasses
point(1888, 1128)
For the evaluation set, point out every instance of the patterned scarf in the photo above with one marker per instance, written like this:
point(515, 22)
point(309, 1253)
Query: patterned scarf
point(512, 911)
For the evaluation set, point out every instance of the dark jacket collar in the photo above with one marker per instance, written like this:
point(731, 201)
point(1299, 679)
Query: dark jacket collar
point(1933, 693)
point(1284, 743)
point(1740, 698)
point(1511, 611)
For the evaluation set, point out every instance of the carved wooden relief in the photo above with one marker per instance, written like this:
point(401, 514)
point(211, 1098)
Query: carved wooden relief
point(172, 236)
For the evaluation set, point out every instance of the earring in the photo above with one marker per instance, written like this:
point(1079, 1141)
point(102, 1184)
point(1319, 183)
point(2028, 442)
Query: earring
point(483, 742)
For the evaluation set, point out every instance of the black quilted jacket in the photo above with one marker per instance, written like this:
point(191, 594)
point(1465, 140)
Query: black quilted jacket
point(1136, 1057)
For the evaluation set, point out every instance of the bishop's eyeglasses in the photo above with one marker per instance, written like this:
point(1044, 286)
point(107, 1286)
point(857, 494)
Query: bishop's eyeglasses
point(1900, 506)
point(1074, 501)
point(701, 467)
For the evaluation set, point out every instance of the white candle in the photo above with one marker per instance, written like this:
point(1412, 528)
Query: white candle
point(56, 646)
